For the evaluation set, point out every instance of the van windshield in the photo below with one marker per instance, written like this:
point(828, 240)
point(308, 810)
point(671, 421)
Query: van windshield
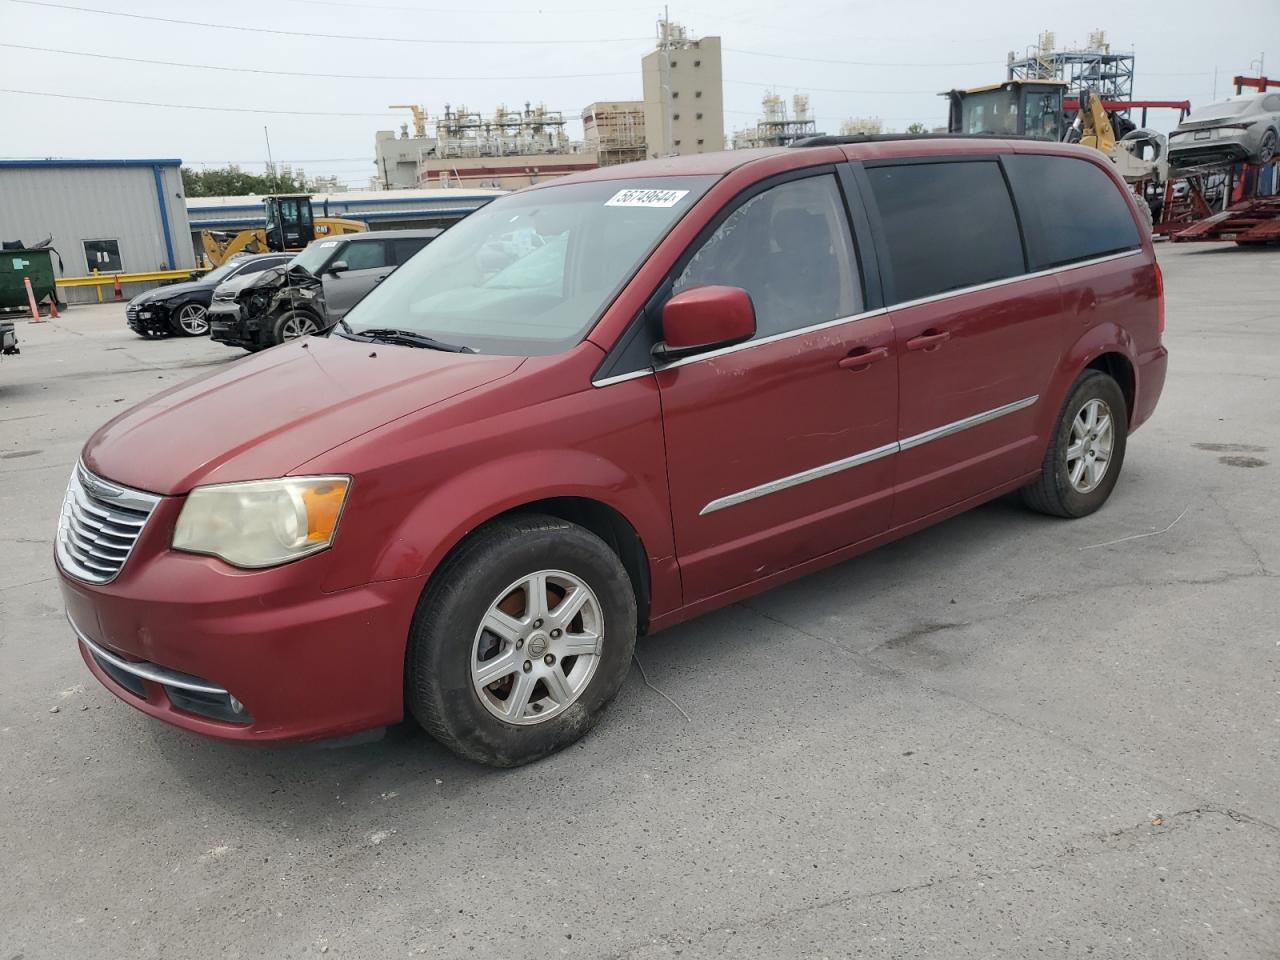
point(528, 274)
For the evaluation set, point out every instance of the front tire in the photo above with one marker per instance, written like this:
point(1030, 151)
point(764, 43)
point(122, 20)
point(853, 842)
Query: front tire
point(1086, 450)
point(520, 640)
point(293, 324)
point(190, 320)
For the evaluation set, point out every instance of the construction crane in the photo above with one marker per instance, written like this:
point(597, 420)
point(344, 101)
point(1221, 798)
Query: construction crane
point(290, 225)
point(419, 117)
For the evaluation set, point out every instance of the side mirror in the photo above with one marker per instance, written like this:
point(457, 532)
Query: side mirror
point(338, 266)
point(704, 318)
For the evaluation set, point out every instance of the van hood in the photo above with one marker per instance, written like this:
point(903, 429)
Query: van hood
point(265, 415)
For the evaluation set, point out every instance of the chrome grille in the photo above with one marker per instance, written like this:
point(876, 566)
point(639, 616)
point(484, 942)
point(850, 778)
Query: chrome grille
point(99, 525)
point(131, 312)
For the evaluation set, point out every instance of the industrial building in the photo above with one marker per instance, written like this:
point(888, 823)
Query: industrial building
point(506, 150)
point(776, 127)
point(683, 94)
point(105, 216)
point(1095, 66)
point(867, 126)
point(615, 131)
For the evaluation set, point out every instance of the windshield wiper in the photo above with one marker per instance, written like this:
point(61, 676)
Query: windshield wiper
point(406, 338)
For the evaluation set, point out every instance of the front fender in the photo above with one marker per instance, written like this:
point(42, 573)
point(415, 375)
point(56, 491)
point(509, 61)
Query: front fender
point(426, 480)
point(468, 499)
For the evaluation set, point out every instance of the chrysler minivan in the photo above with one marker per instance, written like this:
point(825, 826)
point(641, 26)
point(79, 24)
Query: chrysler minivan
point(598, 407)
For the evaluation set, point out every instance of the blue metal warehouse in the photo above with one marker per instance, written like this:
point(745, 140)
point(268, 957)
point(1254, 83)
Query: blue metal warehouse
point(109, 216)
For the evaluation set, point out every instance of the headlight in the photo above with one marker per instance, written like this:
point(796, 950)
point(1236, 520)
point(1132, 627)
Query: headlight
point(262, 523)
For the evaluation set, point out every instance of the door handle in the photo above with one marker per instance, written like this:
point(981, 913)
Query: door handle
point(929, 340)
point(862, 357)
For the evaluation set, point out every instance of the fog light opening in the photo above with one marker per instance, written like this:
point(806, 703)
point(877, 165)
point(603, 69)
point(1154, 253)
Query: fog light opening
point(236, 705)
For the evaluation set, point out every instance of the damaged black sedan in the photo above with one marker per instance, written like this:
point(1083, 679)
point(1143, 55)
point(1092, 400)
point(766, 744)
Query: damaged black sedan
point(312, 292)
point(182, 308)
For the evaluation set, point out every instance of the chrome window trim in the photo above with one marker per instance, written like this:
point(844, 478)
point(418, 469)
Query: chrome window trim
point(934, 298)
point(147, 671)
point(745, 345)
point(1062, 268)
point(858, 459)
point(607, 381)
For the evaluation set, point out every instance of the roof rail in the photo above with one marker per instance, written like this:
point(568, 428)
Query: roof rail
point(831, 140)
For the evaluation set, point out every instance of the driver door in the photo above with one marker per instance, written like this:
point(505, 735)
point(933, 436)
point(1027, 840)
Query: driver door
point(779, 450)
point(368, 262)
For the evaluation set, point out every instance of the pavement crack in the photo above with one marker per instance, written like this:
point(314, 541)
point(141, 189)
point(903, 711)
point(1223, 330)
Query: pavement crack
point(1244, 541)
point(1089, 845)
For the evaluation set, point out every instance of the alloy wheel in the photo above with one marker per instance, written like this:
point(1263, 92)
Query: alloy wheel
point(1268, 150)
point(537, 647)
point(1092, 443)
point(297, 326)
point(193, 319)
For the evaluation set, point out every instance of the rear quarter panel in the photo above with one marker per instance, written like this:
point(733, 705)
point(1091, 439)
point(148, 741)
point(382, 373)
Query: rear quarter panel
point(1109, 307)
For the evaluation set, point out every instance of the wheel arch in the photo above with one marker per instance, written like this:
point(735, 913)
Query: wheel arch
point(1120, 369)
point(605, 521)
point(1106, 347)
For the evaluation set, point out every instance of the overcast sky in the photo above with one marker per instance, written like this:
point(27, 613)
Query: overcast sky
point(932, 45)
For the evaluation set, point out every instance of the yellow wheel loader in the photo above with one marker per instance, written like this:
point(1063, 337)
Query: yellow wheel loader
point(290, 226)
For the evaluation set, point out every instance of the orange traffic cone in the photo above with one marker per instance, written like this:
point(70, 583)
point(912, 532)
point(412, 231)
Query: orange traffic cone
point(115, 287)
point(53, 306)
point(31, 301)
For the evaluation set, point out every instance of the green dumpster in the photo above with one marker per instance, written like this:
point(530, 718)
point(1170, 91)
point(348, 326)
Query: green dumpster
point(15, 266)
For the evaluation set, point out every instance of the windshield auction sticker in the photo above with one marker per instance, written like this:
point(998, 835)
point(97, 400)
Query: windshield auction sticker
point(646, 198)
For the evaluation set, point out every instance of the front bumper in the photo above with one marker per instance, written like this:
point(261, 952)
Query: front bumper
point(178, 636)
point(229, 324)
point(148, 318)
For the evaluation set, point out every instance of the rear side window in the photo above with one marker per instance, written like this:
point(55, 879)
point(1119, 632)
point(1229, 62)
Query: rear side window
point(947, 226)
point(789, 247)
point(407, 247)
point(365, 254)
point(1071, 210)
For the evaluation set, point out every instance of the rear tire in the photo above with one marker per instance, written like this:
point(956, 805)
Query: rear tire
point(475, 621)
point(1267, 150)
point(1086, 450)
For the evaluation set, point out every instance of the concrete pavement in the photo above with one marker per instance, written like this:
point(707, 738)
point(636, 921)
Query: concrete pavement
point(1007, 736)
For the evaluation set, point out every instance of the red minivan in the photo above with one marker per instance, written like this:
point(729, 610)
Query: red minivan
point(598, 407)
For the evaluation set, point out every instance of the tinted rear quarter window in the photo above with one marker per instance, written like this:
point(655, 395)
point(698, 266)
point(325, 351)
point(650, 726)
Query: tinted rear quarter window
point(946, 225)
point(407, 247)
point(1071, 210)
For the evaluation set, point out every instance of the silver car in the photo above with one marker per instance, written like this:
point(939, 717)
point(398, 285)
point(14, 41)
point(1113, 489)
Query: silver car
point(1239, 129)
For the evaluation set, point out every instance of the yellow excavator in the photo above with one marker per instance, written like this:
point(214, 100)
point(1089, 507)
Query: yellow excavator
point(290, 225)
